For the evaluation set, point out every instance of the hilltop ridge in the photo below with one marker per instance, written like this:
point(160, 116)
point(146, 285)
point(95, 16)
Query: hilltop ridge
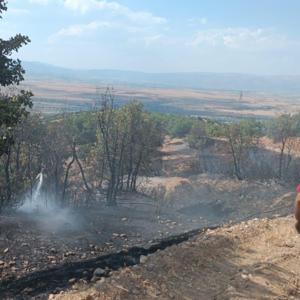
point(191, 80)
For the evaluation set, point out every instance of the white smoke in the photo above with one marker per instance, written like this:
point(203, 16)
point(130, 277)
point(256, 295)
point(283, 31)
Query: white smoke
point(36, 201)
point(43, 209)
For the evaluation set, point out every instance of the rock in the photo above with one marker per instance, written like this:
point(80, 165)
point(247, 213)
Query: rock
point(53, 250)
point(124, 219)
point(81, 282)
point(2, 262)
point(28, 290)
point(123, 235)
point(72, 280)
point(143, 259)
point(102, 280)
point(99, 272)
point(94, 279)
point(5, 250)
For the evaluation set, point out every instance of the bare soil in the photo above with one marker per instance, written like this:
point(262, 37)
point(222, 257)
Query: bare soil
point(258, 259)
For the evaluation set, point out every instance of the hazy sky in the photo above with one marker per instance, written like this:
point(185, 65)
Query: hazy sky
point(248, 36)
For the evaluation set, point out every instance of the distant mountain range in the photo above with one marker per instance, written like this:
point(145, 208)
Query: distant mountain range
point(196, 80)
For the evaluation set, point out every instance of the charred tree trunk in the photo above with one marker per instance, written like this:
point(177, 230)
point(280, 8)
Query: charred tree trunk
point(281, 158)
point(18, 150)
point(7, 175)
point(136, 173)
point(75, 156)
point(236, 163)
point(66, 179)
point(56, 176)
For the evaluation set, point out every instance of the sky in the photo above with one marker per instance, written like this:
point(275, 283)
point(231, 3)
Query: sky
point(237, 36)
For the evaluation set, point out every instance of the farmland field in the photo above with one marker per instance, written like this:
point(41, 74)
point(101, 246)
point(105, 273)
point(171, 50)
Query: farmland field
point(58, 96)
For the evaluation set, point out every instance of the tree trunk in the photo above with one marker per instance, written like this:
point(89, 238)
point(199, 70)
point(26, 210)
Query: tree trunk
point(66, 179)
point(237, 171)
point(7, 176)
point(281, 156)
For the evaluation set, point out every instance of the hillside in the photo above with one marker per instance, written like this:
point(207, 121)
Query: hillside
point(258, 259)
point(48, 251)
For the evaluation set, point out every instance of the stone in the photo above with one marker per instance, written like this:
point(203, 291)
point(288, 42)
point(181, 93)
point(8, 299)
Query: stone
point(143, 259)
point(99, 272)
point(28, 290)
point(72, 280)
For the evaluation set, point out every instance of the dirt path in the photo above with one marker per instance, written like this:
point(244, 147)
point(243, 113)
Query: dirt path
point(254, 260)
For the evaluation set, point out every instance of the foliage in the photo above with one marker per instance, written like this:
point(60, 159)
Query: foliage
point(174, 125)
point(282, 129)
point(13, 107)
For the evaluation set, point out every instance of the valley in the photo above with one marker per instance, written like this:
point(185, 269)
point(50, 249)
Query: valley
point(61, 96)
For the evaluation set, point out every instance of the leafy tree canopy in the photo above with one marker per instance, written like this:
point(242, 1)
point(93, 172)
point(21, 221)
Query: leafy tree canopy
point(12, 107)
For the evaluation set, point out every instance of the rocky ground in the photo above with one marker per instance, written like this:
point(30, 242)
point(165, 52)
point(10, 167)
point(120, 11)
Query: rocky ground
point(258, 259)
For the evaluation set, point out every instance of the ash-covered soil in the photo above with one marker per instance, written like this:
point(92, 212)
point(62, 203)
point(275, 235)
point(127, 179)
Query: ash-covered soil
point(258, 259)
point(35, 241)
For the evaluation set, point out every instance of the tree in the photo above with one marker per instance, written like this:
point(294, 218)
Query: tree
point(282, 130)
point(75, 134)
point(13, 107)
point(128, 139)
point(241, 137)
point(112, 134)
